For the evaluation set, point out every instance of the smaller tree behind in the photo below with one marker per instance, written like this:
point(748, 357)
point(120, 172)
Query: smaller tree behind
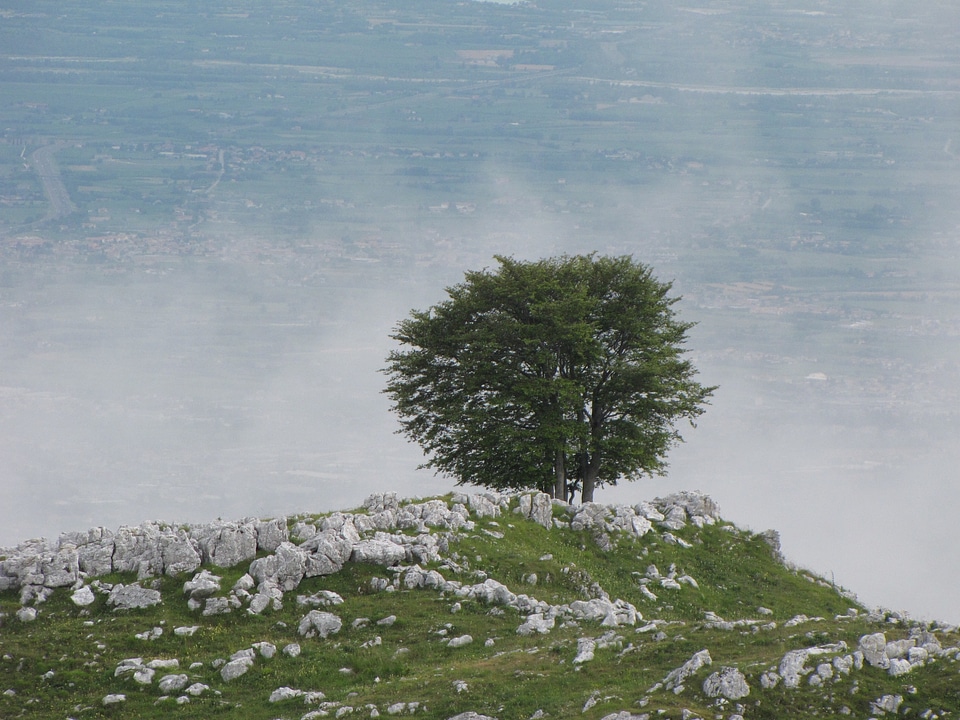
point(562, 375)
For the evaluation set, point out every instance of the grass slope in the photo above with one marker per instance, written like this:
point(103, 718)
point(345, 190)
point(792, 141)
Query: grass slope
point(63, 664)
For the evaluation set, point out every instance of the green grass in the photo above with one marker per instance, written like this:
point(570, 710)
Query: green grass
point(513, 677)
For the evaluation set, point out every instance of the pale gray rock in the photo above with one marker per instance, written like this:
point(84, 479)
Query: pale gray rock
point(317, 623)
point(179, 553)
point(899, 666)
point(143, 675)
point(164, 664)
point(244, 583)
point(27, 614)
point(326, 553)
point(282, 694)
point(887, 704)
point(259, 603)
point(284, 569)
point(728, 683)
point(625, 715)
point(586, 647)
point(114, 699)
point(874, 649)
point(266, 649)
point(173, 683)
point(291, 650)
point(648, 512)
point(899, 648)
point(270, 533)
point(676, 518)
point(692, 502)
point(83, 596)
point(137, 549)
point(461, 641)
point(484, 504)
point(676, 678)
point(95, 554)
point(537, 507)
point(128, 666)
point(197, 689)
point(769, 680)
point(378, 502)
point(536, 623)
point(129, 597)
point(793, 667)
point(62, 568)
point(228, 544)
point(203, 585)
point(216, 606)
point(235, 668)
point(342, 525)
point(470, 715)
point(378, 552)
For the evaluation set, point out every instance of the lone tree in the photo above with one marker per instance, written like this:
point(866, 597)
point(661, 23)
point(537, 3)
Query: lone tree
point(564, 374)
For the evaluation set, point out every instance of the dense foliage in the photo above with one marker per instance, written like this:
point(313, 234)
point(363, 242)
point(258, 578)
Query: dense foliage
point(563, 375)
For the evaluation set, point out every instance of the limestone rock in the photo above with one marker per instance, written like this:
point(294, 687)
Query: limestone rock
point(228, 544)
point(792, 667)
point(236, 667)
point(203, 585)
point(378, 552)
point(728, 683)
point(270, 533)
point(179, 553)
point(128, 597)
point(326, 553)
point(284, 569)
point(874, 649)
point(585, 650)
point(173, 683)
point(318, 623)
point(285, 693)
point(114, 699)
point(470, 716)
point(83, 596)
point(676, 678)
point(137, 549)
point(536, 623)
point(461, 641)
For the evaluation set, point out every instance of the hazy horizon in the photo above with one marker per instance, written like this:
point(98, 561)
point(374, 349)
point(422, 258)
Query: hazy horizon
point(232, 209)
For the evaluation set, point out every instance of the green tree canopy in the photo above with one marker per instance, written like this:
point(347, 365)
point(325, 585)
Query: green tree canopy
point(563, 374)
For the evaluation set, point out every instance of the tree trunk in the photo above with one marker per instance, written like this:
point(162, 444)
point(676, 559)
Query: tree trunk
point(560, 477)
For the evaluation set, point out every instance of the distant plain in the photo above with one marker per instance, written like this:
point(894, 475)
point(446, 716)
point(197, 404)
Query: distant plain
point(211, 215)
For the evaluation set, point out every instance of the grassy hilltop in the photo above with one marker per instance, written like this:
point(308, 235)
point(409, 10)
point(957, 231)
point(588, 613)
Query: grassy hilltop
point(705, 586)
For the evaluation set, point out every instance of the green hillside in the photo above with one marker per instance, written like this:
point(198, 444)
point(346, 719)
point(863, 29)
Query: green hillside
point(705, 585)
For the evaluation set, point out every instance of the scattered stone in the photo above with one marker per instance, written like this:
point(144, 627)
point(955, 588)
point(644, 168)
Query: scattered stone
point(285, 693)
point(27, 614)
point(460, 641)
point(114, 699)
point(585, 650)
point(83, 596)
point(235, 668)
point(292, 650)
point(318, 623)
point(203, 585)
point(887, 704)
point(173, 683)
point(186, 631)
point(676, 678)
point(130, 597)
point(728, 683)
